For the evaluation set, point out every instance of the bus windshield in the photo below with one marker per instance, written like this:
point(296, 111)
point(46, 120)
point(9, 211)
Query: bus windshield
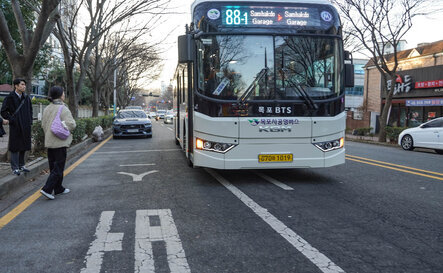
point(249, 67)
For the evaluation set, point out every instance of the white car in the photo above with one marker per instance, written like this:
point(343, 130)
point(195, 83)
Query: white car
point(428, 135)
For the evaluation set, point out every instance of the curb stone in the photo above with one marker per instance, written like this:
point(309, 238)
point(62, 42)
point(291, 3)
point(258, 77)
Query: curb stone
point(12, 182)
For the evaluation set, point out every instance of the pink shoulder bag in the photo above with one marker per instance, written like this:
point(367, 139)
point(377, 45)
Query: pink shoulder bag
point(57, 127)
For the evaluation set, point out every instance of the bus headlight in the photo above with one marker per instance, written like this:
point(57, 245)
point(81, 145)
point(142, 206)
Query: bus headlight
point(327, 146)
point(217, 147)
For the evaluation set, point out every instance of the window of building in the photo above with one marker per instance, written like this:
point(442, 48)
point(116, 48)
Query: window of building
point(432, 113)
point(354, 91)
point(358, 69)
point(415, 116)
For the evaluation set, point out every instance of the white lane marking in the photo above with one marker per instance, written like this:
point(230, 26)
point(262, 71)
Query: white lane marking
point(169, 128)
point(138, 151)
point(315, 256)
point(275, 182)
point(105, 241)
point(132, 165)
point(145, 234)
point(138, 177)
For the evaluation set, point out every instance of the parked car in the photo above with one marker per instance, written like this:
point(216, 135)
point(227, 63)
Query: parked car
point(428, 135)
point(132, 122)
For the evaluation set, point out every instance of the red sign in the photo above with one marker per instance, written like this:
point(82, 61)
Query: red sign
point(429, 84)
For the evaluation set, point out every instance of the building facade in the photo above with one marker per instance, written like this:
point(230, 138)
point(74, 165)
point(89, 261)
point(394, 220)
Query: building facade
point(418, 95)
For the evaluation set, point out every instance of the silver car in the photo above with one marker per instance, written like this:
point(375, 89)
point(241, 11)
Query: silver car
point(169, 118)
point(132, 122)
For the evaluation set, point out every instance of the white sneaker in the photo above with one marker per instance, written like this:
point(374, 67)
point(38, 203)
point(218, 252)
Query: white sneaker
point(66, 191)
point(47, 195)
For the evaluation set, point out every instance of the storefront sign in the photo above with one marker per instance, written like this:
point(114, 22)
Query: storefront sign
point(425, 102)
point(402, 85)
point(429, 84)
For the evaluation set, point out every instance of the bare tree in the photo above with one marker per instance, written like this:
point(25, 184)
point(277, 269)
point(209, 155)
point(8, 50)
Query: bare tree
point(139, 61)
point(115, 49)
point(378, 24)
point(22, 63)
point(350, 42)
point(100, 17)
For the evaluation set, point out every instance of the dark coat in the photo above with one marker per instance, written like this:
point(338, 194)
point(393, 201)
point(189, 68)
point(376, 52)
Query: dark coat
point(20, 123)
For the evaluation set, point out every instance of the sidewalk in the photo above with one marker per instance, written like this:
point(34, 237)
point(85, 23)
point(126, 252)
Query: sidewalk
point(369, 139)
point(9, 182)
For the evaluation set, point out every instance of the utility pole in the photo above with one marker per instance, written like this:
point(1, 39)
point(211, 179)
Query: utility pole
point(115, 89)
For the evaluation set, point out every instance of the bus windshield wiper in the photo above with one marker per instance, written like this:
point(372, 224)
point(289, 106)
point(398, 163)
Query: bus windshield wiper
point(302, 92)
point(252, 86)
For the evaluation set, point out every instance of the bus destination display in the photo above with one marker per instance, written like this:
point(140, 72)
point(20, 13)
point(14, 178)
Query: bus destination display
point(272, 16)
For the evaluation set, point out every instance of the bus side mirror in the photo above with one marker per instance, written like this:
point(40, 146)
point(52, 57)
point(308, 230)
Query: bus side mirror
point(186, 49)
point(349, 75)
point(349, 69)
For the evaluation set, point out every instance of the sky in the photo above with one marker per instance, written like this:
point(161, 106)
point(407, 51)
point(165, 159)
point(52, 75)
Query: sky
point(425, 29)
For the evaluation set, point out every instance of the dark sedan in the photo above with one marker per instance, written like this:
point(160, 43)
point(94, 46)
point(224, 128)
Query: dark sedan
point(132, 122)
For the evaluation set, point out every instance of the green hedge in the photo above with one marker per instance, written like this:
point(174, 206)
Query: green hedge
point(38, 136)
point(393, 132)
point(40, 101)
point(34, 101)
point(362, 131)
point(85, 126)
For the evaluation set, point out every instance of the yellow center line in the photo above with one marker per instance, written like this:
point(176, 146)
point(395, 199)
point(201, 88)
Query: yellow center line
point(395, 165)
point(31, 199)
point(396, 169)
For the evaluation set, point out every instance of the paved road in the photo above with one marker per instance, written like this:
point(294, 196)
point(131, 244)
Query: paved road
point(136, 206)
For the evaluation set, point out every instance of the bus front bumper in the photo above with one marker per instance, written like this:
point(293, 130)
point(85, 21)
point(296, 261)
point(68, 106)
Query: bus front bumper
point(246, 157)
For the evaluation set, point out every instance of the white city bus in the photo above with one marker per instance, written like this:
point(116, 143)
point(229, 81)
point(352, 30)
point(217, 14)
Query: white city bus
point(260, 85)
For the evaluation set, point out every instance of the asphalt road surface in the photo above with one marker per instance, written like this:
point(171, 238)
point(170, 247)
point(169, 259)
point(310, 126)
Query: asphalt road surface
point(135, 206)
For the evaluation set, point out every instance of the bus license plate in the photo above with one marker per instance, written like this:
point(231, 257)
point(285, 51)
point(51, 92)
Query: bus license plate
point(275, 158)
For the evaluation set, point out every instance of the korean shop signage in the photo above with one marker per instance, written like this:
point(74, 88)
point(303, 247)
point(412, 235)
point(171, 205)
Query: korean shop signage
point(403, 84)
point(429, 84)
point(425, 102)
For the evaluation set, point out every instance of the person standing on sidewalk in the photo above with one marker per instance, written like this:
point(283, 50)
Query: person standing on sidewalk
point(17, 108)
point(57, 148)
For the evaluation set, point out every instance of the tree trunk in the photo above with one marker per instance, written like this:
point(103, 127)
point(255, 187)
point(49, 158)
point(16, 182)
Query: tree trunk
point(20, 71)
point(383, 119)
point(95, 101)
point(70, 88)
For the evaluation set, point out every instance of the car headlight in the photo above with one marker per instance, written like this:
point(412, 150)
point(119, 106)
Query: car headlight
point(147, 125)
point(217, 147)
point(327, 146)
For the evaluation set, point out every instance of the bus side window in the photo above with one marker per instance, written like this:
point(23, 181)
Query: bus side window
point(184, 85)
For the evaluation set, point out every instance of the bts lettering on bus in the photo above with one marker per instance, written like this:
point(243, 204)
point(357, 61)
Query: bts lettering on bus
point(275, 110)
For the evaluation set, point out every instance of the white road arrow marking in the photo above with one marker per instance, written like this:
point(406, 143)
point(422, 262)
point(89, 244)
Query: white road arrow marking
point(138, 177)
